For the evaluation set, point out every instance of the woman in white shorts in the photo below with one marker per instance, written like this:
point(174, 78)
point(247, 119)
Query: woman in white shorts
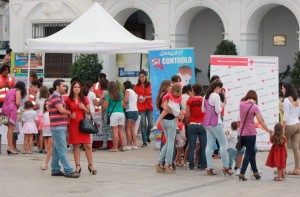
point(113, 104)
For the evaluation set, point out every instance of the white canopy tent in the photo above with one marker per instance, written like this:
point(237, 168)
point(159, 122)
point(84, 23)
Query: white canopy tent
point(95, 31)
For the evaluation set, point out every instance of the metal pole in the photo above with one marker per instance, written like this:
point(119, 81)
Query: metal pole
point(29, 58)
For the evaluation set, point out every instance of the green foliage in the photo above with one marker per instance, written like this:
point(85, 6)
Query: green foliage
point(226, 47)
point(87, 67)
point(295, 72)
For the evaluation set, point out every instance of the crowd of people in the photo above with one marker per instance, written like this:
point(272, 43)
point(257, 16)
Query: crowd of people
point(191, 123)
point(204, 130)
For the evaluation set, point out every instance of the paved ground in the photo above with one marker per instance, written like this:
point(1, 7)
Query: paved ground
point(133, 174)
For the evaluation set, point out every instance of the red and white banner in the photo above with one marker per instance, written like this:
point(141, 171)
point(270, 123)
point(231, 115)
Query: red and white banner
point(240, 74)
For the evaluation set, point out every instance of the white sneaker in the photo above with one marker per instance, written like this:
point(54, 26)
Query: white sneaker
point(35, 149)
point(128, 148)
point(237, 172)
point(134, 147)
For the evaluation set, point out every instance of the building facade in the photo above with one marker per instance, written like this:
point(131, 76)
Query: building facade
point(257, 27)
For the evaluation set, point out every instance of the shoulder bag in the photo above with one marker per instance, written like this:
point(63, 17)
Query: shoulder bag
point(239, 145)
point(109, 114)
point(88, 126)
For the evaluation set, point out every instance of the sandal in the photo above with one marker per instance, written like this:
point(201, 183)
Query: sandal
point(277, 179)
point(210, 172)
point(293, 173)
point(93, 172)
point(227, 171)
point(43, 167)
point(170, 170)
point(159, 168)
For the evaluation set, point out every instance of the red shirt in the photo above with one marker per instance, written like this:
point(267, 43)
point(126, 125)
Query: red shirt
point(144, 91)
point(97, 89)
point(3, 89)
point(195, 104)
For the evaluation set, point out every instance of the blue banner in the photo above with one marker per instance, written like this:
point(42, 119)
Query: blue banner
point(166, 63)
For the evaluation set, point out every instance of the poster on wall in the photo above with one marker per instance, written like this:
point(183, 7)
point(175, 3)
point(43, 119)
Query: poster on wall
point(129, 66)
point(19, 66)
point(19, 70)
point(166, 63)
point(241, 74)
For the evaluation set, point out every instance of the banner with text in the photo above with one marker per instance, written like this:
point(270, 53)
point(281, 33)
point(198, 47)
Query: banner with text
point(241, 74)
point(19, 66)
point(166, 63)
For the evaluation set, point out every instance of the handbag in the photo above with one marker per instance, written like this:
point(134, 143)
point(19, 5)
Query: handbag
point(88, 126)
point(109, 114)
point(239, 145)
point(4, 120)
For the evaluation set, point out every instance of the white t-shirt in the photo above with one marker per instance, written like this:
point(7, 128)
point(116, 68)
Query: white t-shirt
point(231, 140)
point(132, 101)
point(46, 125)
point(290, 112)
point(91, 96)
point(40, 102)
point(184, 97)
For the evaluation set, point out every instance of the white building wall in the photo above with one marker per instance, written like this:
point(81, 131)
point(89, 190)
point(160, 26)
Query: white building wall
point(171, 20)
point(286, 24)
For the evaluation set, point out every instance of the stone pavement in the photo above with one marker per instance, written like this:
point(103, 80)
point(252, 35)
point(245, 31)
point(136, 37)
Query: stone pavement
point(133, 174)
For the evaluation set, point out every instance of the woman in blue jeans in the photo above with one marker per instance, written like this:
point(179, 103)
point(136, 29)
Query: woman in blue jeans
point(169, 126)
point(248, 131)
point(195, 117)
point(144, 105)
point(212, 106)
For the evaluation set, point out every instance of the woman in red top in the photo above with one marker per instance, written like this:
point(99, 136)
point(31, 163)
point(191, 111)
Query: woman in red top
point(195, 117)
point(79, 106)
point(144, 105)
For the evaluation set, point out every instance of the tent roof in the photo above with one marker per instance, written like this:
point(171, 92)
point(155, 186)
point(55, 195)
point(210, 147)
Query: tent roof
point(95, 31)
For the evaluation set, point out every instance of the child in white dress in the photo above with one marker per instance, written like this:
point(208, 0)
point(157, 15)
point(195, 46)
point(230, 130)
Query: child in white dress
point(29, 122)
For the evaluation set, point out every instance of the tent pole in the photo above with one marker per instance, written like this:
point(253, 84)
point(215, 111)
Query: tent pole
point(43, 63)
point(29, 59)
point(141, 62)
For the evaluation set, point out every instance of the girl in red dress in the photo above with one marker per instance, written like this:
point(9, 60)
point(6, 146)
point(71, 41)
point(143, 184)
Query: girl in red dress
point(278, 153)
point(79, 105)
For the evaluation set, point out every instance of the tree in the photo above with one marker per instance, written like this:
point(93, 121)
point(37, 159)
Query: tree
point(295, 72)
point(87, 67)
point(226, 47)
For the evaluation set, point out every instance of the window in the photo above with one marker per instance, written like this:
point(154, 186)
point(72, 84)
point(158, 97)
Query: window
point(57, 65)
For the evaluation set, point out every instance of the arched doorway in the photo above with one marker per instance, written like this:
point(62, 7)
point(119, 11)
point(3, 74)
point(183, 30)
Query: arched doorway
point(205, 33)
point(278, 36)
point(202, 28)
point(139, 24)
point(272, 30)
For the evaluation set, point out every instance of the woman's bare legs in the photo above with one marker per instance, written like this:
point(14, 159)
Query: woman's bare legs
point(115, 137)
point(10, 137)
point(121, 136)
point(89, 155)
point(77, 156)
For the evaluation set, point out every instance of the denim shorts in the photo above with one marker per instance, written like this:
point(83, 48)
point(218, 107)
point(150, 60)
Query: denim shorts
point(132, 115)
